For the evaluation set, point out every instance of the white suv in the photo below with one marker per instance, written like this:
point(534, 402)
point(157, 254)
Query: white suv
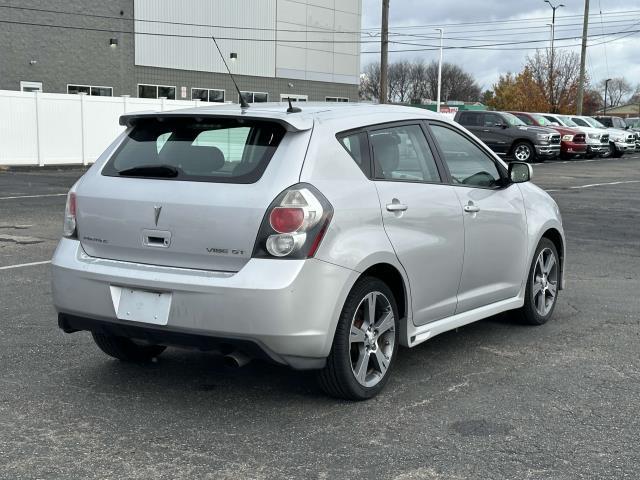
point(320, 239)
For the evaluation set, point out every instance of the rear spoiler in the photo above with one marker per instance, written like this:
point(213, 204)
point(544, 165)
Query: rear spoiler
point(291, 123)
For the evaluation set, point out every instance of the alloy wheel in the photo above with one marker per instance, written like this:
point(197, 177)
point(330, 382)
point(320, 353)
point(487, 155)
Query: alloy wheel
point(522, 152)
point(545, 282)
point(372, 339)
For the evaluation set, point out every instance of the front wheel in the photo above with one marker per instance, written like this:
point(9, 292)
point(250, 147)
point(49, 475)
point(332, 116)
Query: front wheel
point(365, 343)
point(524, 152)
point(609, 152)
point(543, 283)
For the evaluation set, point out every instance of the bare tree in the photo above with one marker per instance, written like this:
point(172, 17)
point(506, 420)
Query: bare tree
point(400, 81)
point(415, 82)
point(619, 90)
point(557, 83)
point(370, 82)
point(419, 85)
point(456, 83)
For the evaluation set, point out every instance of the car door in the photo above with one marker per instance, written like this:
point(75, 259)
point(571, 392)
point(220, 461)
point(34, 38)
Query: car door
point(421, 216)
point(494, 220)
point(495, 133)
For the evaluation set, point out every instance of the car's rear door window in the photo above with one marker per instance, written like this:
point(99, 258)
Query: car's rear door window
point(216, 150)
point(402, 153)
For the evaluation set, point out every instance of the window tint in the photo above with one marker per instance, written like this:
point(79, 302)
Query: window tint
point(470, 119)
point(467, 163)
point(402, 153)
point(580, 122)
point(492, 120)
point(357, 146)
point(525, 119)
point(221, 151)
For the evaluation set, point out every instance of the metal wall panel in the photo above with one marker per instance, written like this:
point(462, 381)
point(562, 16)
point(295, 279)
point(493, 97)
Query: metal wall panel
point(296, 38)
point(171, 45)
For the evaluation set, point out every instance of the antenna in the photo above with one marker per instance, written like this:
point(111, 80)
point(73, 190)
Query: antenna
point(291, 108)
point(243, 102)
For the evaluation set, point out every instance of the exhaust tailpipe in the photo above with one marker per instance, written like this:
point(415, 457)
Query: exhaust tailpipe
point(236, 359)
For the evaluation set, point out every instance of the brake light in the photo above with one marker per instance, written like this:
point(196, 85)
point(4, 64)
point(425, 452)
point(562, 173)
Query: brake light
point(294, 224)
point(286, 219)
point(69, 226)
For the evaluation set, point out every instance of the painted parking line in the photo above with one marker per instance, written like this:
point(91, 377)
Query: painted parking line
point(20, 265)
point(34, 196)
point(591, 185)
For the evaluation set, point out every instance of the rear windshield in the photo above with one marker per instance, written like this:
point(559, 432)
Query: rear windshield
point(201, 150)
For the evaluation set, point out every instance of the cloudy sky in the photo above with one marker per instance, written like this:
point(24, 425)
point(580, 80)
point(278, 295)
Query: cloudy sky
point(489, 22)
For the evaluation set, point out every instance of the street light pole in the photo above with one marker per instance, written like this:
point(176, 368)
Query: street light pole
point(606, 90)
point(553, 36)
point(440, 69)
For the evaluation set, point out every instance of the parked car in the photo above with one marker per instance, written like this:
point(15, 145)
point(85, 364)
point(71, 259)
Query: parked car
point(508, 136)
point(630, 125)
point(620, 141)
point(322, 239)
point(573, 141)
point(597, 140)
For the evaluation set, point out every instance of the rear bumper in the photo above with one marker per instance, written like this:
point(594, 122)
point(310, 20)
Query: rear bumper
point(286, 309)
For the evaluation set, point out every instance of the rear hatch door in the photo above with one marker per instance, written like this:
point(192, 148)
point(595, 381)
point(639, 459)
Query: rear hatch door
point(187, 192)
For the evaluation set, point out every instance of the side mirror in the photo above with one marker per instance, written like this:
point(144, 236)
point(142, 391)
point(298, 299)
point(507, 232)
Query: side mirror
point(502, 125)
point(520, 172)
point(626, 127)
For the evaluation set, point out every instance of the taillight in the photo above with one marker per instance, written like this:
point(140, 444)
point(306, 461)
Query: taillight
point(69, 226)
point(294, 224)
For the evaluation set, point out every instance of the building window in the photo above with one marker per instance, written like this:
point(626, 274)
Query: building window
point(207, 95)
point(90, 90)
point(156, 91)
point(254, 97)
point(336, 99)
point(30, 86)
point(284, 97)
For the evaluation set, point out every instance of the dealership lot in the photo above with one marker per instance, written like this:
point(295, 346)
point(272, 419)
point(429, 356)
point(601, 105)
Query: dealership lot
point(492, 400)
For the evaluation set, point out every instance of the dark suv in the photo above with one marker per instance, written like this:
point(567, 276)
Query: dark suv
point(509, 136)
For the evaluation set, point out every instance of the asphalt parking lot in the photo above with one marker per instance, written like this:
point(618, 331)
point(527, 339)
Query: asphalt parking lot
point(493, 400)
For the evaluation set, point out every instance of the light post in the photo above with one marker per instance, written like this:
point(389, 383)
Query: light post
point(553, 36)
point(440, 69)
point(606, 90)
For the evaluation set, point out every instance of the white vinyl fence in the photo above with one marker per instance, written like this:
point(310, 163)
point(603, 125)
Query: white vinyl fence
point(59, 129)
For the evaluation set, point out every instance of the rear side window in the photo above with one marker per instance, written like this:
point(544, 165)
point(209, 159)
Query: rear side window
point(470, 119)
point(226, 151)
point(357, 146)
point(402, 153)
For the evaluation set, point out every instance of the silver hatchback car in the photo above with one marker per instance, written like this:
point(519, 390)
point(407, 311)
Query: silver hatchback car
point(319, 239)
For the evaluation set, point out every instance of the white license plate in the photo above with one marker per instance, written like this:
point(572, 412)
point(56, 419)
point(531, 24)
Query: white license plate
point(141, 305)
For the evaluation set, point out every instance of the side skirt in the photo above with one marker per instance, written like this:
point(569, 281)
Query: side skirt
point(422, 333)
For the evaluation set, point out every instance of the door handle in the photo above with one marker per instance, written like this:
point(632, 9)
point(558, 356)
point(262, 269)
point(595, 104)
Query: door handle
point(471, 208)
point(396, 207)
point(486, 130)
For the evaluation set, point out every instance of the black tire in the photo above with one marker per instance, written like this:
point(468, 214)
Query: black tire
point(617, 153)
point(528, 314)
point(126, 350)
point(524, 146)
point(337, 378)
point(610, 152)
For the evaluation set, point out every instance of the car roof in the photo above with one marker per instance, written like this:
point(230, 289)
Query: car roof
point(299, 121)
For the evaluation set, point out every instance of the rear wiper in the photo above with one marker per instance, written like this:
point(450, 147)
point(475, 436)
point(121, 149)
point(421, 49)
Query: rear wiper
point(159, 171)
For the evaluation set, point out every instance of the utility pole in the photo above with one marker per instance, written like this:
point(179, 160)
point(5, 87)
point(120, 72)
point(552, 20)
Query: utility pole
point(384, 55)
point(606, 90)
point(440, 69)
point(583, 58)
point(553, 36)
